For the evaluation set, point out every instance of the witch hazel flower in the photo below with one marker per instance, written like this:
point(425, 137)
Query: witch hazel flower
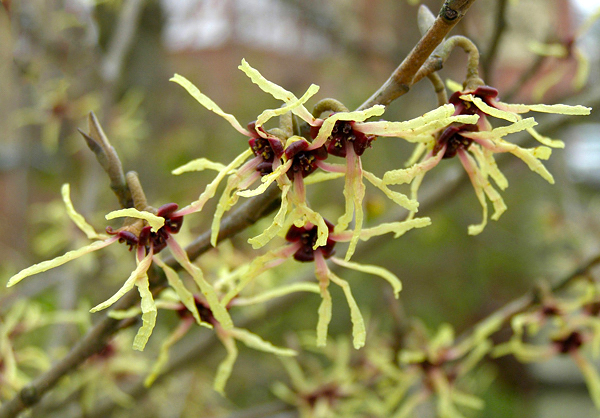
point(346, 134)
point(476, 143)
point(146, 233)
point(266, 149)
point(303, 247)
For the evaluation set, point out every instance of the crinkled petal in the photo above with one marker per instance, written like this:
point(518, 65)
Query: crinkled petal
point(268, 234)
point(254, 341)
point(548, 50)
point(583, 69)
point(59, 261)
point(76, 217)
point(475, 177)
point(278, 292)
point(267, 180)
point(406, 175)
point(163, 355)
point(321, 176)
point(208, 103)
point(325, 308)
point(156, 222)
point(359, 332)
point(385, 274)
point(211, 189)
point(138, 273)
point(219, 311)
point(258, 266)
point(199, 164)
point(398, 198)
point(489, 110)
point(549, 142)
point(590, 374)
point(561, 109)
point(225, 367)
point(149, 312)
point(185, 296)
point(277, 92)
point(290, 106)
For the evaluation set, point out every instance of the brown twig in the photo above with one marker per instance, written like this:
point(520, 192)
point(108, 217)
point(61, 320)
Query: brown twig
point(401, 79)
point(108, 158)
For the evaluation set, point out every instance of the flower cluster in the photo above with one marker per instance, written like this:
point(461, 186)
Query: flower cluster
point(476, 143)
point(146, 234)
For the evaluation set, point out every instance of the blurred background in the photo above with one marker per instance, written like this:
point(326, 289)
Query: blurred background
point(61, 59)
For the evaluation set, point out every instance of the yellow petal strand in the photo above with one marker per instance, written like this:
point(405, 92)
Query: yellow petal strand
point(58, 261)
point(544, 140)
point(185, 296)
point(556, 108)
point(163, 355)
point(385, 274)
point(208, 103)
point(398, 228)
point(148, 314)
point(583, 69)
point(398, 198)
point(290, 106)
point(199, 164)
point(492, 111)
point(225, 367)
point(218, 310)
point(156, 222)
point(590, 374)
point(226, 201)
point(432, 120)
point(406, 175)
point(254, 341)
point(356, 116)
point(211, 189)
point(477, 182)
point(357, 195)
point(267, 180)
point(321, 176)
point(139, 272)
point(76, 217)
point(268, 234)
point(278, 292)
point(276, 91)
point(548, 50)
point(359, 332)
point(453, 86)
point(485, 158)
point(324, 317)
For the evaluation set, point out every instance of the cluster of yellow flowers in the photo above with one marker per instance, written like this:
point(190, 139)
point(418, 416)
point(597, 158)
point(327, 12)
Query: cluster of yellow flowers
point(291, 157)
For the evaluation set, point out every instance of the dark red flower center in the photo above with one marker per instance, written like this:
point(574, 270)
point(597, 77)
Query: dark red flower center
point(571, 343)
point(453, 140)
point(147, 238)
point(304, 162)
point(307, 237)
point(342, 133)
point(267, 149)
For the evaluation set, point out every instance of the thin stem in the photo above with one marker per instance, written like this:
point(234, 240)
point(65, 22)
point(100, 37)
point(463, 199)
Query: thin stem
point(98, 142)
point(437, 60)
point(439, 88)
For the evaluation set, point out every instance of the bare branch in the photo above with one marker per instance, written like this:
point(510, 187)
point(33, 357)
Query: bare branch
point(401, 79)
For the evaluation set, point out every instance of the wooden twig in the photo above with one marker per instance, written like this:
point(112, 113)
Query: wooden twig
point(401, 79)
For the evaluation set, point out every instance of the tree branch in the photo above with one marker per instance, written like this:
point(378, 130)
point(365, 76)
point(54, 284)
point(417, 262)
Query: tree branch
point(401, 79)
